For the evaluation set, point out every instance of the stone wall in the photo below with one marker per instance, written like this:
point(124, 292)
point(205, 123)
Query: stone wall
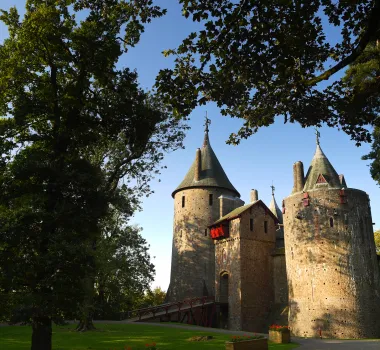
point(193, 254)
point(331, 265)
point(246, 257)
point(257, 268)
point(280, 281)
point(227, 260)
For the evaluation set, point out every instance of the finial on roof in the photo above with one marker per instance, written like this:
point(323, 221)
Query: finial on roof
point(317, 134)
point(273, 188)
point(207, 123)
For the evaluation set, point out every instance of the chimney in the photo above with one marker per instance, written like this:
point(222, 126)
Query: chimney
point(298, 177)
point(226, 204)
point(254, 196)
point(198, 162)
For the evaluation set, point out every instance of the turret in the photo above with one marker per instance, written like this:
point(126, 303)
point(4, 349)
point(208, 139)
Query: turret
point(201, 198)
point(330, 257)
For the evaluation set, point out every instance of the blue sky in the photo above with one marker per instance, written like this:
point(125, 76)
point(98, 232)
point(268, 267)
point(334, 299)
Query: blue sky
point(265, 157)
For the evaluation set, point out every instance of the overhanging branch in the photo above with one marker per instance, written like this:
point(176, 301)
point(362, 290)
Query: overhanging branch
point(372, 29)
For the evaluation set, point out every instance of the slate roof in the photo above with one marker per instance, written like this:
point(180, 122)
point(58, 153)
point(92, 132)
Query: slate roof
point(321, 165)
point(211, 175)
point(236, 212)
point(275, 209)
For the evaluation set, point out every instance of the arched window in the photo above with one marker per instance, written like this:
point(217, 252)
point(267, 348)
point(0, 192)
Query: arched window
point(223, 287)
point(331, 222)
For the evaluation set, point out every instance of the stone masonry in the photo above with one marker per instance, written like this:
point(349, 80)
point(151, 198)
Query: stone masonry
point(315, 257)
point(332, 271)
point(193, 254)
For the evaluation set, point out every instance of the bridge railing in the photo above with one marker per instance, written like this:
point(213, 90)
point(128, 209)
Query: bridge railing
point(165, 309)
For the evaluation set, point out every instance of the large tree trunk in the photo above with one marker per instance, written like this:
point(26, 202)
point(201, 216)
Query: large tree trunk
point(85, 324)
point(87, 309)
point(41, 333)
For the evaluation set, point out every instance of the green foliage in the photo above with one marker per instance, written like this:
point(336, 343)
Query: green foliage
point(377, 241)
point(262, 59)
point(152, 298)
point(124, 270)
point(374, 155)
point(71, 127)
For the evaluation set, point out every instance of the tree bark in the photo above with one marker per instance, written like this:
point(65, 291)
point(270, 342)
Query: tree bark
point(85, 325)
point(87, 308)
point(41, 333)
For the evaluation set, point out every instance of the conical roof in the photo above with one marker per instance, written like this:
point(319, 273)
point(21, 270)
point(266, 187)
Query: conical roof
point(211, 172)
point(321, 173)
point(275, 209)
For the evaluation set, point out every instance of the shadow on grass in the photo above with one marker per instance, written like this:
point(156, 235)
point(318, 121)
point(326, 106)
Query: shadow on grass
point(118, 337)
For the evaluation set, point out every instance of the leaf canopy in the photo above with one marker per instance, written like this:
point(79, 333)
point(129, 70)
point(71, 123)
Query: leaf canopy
point(262, 59)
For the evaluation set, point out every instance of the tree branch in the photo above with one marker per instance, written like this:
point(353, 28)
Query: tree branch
point(236, 19)
point(372, 29)
point(115, 175)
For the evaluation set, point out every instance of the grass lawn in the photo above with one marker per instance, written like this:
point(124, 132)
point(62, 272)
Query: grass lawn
point(118, 337)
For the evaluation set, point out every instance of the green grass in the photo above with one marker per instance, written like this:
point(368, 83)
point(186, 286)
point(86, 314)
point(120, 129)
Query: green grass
point(118, 336)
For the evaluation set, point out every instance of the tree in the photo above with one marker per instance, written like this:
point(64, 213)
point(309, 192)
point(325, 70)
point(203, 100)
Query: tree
point(262, 59)
point(125, 270)
point(136, 166)
point(152, 298)
point(377, 241)
point(374, 155)
point(61, 99)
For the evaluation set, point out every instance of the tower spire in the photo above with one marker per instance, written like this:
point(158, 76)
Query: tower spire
point(273, 188)
point(206, 124)
point(274, 207)
point(317, 134)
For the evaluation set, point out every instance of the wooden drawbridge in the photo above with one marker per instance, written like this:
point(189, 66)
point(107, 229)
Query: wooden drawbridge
point(199, 311)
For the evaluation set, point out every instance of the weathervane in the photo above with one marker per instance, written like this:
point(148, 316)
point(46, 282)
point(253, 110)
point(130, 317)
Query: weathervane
point(273, 188)
point(318, 134)
point(207, 123)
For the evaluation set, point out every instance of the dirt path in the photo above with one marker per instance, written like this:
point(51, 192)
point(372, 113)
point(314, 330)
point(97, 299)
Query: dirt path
point(311, 344)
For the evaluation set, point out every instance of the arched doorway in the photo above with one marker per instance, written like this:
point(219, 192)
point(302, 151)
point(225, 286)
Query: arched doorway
point(223, 299)
point(224, 287)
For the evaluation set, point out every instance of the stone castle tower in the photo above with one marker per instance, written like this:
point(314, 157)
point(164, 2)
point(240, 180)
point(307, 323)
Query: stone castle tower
point(332, 272)
point(315, 257)
point(198, 201)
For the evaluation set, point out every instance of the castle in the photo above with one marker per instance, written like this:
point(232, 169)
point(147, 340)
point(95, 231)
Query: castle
point(315, 258)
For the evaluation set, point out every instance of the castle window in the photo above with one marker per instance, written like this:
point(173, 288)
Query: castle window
point(331, 222)
point(210, 199)
point(205, 231)
point(183, 201)
point(251, 224)
point(266, 226)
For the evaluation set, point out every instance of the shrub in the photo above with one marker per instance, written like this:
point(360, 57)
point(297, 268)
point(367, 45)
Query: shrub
point(278, 328)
